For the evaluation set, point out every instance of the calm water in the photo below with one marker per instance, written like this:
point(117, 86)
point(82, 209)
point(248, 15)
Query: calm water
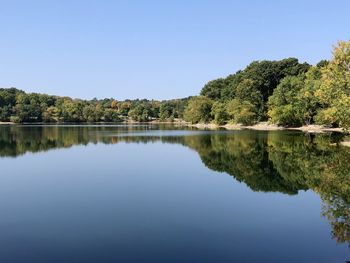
point(164, 194)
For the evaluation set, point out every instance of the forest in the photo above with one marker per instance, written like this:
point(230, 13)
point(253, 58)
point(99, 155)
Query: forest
point(19, 107)
point(284, 92)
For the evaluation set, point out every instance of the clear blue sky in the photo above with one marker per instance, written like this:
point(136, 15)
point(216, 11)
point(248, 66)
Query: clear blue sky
point(156, 49)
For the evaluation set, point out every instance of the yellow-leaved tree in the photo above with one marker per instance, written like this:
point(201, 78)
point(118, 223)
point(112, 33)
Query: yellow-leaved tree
point(334, 91)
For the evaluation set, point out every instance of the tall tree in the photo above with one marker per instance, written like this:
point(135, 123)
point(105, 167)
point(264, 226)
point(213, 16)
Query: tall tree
point(334, 92)
point(198, 110)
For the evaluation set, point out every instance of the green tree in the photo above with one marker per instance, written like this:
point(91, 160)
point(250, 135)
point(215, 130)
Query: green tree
point(166, 111)
point(219, 113)
point(124, 107)
point(255, 83)
point(198, 110)
point(111, 115)
point(89, 113)
point(241, 112)
point(5, 113)
point(140, 113)
point(214, 89)
point(51, 114)
point(247, 91)
point(334, 91)
point(284, 106)
point(71, 111)
point(306, 101)
point(28, 107)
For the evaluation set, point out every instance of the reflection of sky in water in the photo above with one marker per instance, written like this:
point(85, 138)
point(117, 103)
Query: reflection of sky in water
point(156, 202)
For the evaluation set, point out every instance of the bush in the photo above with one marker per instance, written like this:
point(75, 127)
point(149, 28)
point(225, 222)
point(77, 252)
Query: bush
point(15, 119)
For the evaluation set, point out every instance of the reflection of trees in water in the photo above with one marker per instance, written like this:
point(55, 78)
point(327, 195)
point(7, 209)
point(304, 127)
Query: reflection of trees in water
point(337, 211)
point(244, 157)
point(17, 140)
point(285, 162)
point(324, 168)
point(266, 161)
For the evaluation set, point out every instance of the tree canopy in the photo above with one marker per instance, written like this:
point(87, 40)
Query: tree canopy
point(285, 92)
point(18, 106)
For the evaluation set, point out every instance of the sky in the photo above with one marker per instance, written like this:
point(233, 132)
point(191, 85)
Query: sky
point(154, 48)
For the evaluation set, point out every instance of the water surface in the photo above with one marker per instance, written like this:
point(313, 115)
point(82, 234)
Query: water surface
point(164, 194)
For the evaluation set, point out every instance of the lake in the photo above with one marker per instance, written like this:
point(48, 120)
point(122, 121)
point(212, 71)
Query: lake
point(149, 193)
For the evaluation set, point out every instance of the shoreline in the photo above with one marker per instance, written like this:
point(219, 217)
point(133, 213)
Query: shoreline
point(265, 126)
point(261, 126)
point(184, 123)
point(7, 123)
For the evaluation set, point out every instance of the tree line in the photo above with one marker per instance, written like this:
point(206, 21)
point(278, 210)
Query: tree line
point(285, 92)
point(18, 106)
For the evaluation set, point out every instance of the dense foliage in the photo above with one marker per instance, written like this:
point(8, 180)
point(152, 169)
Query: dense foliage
point(244, 95)
point(285, 92)
point(18, 106)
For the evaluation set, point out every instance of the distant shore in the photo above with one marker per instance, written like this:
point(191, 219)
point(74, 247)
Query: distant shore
point(176, 121)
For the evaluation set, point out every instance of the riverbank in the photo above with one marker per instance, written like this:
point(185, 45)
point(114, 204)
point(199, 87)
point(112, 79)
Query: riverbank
point(261, 126)
point(6, 123)
point(266, 126)
point(131, 122)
